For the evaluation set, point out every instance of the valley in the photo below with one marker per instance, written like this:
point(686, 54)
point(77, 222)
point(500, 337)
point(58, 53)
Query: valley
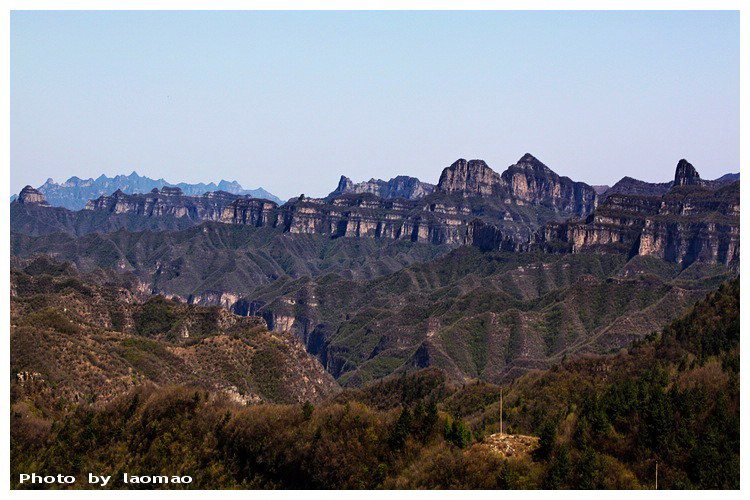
point(381, 323)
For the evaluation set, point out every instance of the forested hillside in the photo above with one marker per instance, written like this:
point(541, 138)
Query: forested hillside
point(602, 422)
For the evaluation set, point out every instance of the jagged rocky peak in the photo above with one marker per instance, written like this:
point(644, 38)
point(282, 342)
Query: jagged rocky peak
point(31, 196)
point(402, 186)
point(470, 177)
point(345, 185)
point(530, 162)
point(530, 181)
point(686, 174)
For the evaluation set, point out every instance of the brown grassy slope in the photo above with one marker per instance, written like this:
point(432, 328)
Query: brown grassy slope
point(74, 340)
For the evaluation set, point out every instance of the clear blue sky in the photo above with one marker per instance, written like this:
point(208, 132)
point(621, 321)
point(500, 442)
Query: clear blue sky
point(291, 100)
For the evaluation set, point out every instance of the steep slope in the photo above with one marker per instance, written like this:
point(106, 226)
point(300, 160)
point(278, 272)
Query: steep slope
point(600, 423)
point(528, 181)
point(215, 264)
point(76, 337)
point(490, 315)
point(689, 223)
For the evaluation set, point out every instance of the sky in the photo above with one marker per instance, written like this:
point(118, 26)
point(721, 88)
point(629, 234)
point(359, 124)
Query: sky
point(290, 101)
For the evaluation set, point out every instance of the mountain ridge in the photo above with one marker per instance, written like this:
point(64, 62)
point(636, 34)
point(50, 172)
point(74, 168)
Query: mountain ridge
point(76, 192)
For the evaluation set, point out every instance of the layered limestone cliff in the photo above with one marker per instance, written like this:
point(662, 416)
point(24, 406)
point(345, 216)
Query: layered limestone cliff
point(408, 188)
point(527, 182)
point(690, 223)
point(471, 178)
point(433, 219)
point(167, 201)
point(526, 206)
point(31, 196)
point(531, 181)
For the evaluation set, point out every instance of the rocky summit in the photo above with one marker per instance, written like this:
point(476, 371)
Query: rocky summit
point(686, 175)
point(470, 178)
point(408, 188)
point(528, 181)
point(525, 208)
point(29, 195)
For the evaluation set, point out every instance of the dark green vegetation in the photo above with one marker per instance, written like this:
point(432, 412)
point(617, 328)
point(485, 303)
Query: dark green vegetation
point(368, 308)
point(487, 315)
point(37, 220)
point(603, 422)
point(215, 258)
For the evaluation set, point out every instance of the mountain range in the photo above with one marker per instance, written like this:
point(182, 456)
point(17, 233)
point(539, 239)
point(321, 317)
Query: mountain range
point(514, 329)
point(486, 275)
point(74, 193)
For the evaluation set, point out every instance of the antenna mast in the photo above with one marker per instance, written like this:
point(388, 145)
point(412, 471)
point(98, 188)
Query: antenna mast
point(501, 411)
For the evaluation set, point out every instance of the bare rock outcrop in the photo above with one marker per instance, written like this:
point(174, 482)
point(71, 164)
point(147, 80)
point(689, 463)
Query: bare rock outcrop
point(408, 188)
point(689, 223)
point(31, 196)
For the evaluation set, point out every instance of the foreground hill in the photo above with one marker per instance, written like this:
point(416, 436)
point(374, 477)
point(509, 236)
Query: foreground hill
point(602, 422)
point(92, 338)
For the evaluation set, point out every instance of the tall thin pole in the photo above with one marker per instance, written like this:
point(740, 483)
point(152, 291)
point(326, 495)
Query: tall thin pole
point(656, 477)
point(501, 411)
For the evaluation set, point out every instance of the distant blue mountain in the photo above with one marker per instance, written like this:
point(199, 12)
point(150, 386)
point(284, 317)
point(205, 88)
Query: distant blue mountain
point(75, 192)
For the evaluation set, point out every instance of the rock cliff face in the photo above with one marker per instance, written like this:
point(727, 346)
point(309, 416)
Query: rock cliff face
point(686, 175)
point(471, 178)
point(31, 196)
point(437, 219)
point(408, 188)
point(528, 182)
point(531, 181)
point(472, 205)
point(690, 223)
point(167, 201)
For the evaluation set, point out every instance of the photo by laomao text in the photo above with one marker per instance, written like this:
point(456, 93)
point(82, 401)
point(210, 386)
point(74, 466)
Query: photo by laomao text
point(101, 480)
